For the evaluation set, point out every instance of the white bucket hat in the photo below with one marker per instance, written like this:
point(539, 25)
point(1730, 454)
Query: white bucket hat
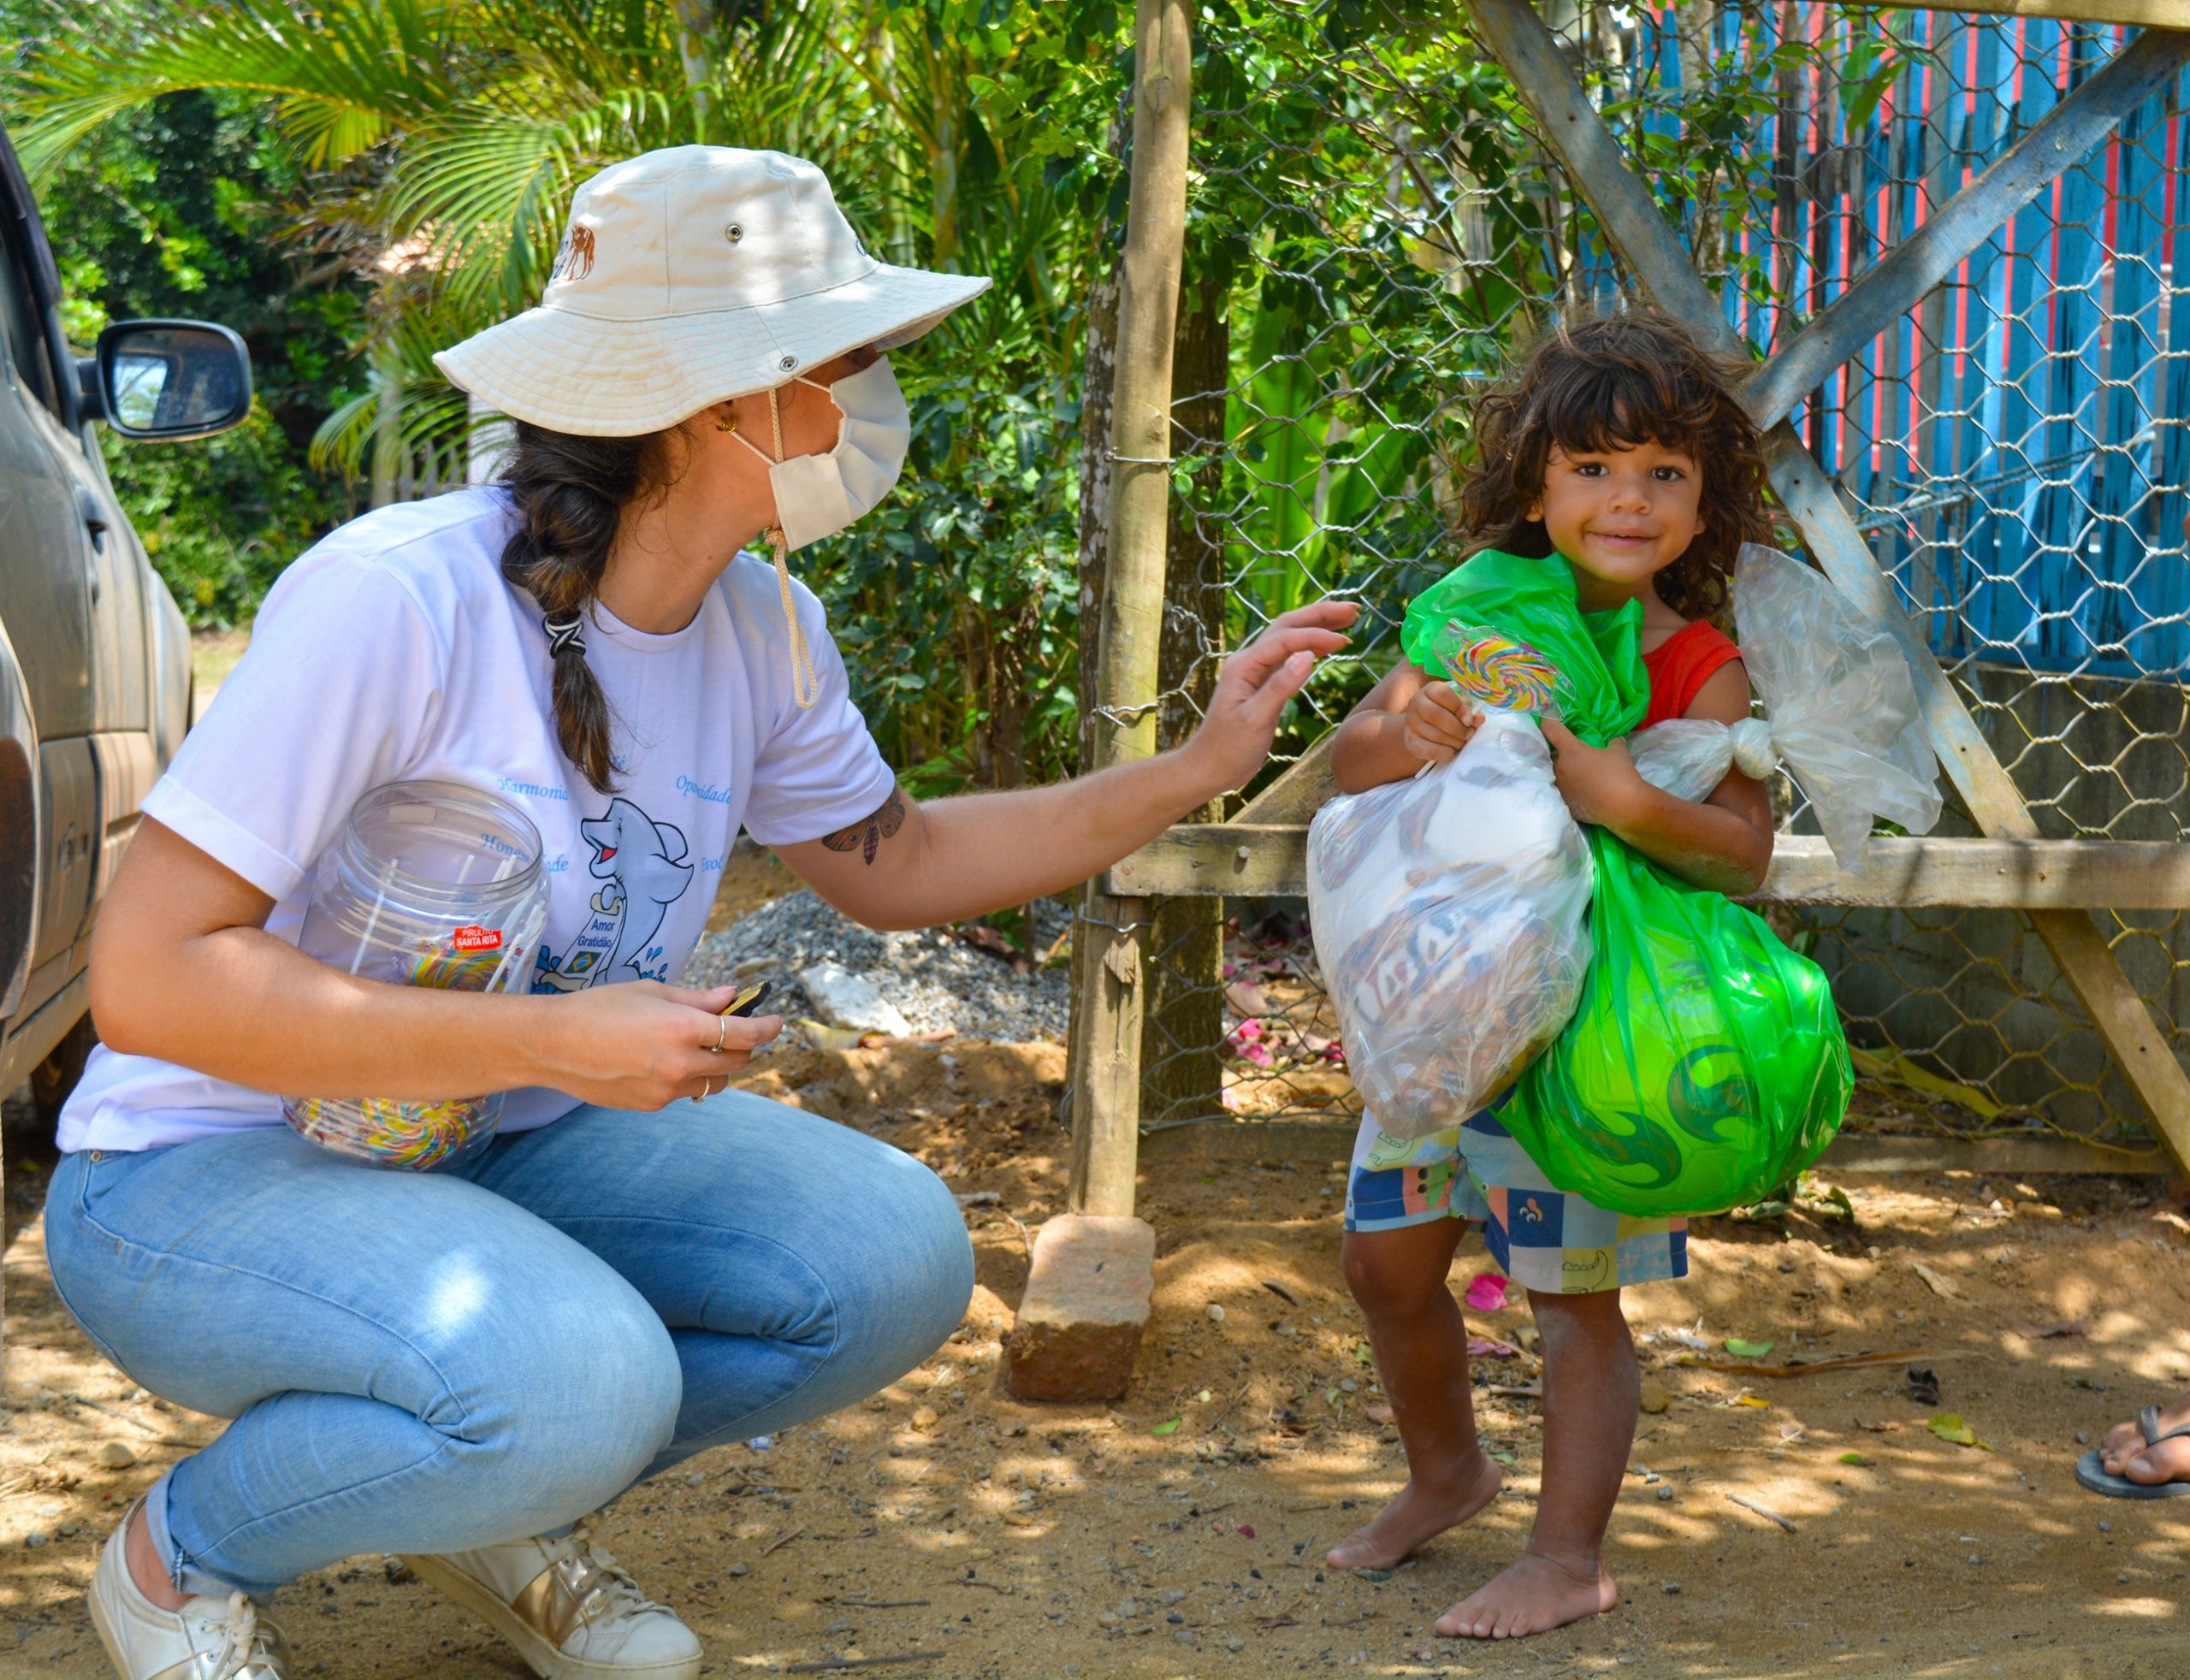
point(687, 276)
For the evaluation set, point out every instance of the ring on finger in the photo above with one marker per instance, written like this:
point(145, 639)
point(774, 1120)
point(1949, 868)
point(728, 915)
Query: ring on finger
point(722, 1031)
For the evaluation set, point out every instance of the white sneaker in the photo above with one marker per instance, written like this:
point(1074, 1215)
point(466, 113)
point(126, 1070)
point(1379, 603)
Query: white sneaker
point(207, 1639)
point(568, 1607)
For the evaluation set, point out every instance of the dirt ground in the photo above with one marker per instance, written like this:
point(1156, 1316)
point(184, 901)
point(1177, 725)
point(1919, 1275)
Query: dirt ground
point(1179, 1533)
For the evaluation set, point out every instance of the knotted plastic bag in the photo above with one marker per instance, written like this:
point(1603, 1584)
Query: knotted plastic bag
point(1450, 912)
point(1839, 709)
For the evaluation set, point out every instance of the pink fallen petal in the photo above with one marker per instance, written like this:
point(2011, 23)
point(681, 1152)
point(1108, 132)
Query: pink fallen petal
point(1231, 971)
point(1246, 1531)
point(1247, 998)
point(1486, 1293)
point(1231, 1099)
point(1485, 1347)
point(1258, 1054)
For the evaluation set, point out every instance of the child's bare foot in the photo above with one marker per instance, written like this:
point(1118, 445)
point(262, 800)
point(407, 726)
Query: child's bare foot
point(1416, 1517)
point(1534, 1596)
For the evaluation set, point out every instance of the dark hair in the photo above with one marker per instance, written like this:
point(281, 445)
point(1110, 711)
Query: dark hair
point(1614, 382)
point(571, 493)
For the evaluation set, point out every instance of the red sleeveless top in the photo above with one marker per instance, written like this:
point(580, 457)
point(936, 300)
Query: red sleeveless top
point(1679, 668)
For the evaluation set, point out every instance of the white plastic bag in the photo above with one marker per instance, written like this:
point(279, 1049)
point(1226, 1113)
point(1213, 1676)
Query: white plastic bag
point(1451, 918)
point(1839, 708)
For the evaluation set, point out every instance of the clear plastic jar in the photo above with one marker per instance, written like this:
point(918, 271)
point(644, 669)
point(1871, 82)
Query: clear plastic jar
point(428, 884)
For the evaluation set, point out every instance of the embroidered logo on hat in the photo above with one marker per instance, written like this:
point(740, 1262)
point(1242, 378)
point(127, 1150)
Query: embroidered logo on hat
point(574, 258)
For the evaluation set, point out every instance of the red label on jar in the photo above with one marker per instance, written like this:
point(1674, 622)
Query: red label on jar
point(476, 939)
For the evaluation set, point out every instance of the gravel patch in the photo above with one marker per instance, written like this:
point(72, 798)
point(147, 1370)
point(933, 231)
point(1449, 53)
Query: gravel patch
point(935, 980)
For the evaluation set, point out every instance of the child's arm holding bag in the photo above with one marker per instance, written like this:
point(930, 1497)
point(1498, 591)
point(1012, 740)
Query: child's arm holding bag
point(1407, 720)
point(1715, 834)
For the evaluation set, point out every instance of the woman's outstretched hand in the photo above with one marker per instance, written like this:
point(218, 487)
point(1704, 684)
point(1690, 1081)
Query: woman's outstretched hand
point(1236, 733)
point(642, 1044)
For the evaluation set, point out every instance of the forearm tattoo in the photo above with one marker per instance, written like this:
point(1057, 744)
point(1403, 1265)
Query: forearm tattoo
point(868, 834)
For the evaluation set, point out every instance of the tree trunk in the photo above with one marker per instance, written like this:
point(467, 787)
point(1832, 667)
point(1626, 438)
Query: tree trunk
point(387, 433)
point(1182, 1057)
point(695, 23)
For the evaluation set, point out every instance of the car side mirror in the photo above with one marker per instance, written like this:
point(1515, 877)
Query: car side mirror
point(167, 379)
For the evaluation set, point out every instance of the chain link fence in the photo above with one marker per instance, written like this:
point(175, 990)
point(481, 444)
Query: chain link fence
point(1372, 228)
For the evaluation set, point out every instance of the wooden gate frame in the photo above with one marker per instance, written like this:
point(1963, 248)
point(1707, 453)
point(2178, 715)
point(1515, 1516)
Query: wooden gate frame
point(2055, 882)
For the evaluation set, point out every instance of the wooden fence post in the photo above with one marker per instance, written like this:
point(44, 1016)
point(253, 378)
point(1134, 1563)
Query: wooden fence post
point(1093, 1267)
point(1109, 945)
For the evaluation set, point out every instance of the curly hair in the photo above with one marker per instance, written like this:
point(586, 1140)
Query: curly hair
point(1612, 382)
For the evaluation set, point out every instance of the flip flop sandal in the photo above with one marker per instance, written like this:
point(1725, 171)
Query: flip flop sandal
point(2091, 1467)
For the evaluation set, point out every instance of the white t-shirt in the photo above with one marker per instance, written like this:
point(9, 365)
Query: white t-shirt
point(395, 649)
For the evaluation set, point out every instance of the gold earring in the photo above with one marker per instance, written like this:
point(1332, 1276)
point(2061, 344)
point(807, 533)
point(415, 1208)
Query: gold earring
point(728, 422)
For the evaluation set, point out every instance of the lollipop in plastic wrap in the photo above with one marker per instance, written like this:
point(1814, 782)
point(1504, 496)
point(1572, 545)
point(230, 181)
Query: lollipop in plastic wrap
point(1498, 670)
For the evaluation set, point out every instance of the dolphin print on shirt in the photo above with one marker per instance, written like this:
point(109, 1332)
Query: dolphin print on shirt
point(642, 867)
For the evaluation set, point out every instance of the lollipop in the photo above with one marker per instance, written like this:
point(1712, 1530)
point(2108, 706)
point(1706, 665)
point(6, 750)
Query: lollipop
point(416, 1135)
point(1498, 669)
point(456, 970)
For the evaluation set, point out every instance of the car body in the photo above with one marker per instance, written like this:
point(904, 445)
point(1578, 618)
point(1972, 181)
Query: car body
point(95, 688)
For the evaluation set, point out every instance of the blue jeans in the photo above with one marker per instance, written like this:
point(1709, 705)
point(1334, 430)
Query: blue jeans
point(433, 1361)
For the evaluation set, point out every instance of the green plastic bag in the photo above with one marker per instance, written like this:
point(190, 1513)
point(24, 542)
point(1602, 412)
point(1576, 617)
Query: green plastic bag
point(1705, 1064)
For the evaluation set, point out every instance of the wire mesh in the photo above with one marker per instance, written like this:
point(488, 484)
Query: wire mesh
point(1373, 227)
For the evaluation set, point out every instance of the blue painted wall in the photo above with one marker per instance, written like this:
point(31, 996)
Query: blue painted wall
point(2017, 444)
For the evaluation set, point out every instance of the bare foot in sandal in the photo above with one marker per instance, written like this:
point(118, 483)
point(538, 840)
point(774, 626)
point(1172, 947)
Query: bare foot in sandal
point(2126, 1451)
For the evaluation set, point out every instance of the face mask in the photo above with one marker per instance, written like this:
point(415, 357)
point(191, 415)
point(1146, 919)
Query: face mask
point(818, 495)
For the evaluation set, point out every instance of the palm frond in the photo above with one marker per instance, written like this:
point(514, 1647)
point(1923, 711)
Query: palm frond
point(782, 85)
point(345, 438)
point(344, 72)
point(406, 407)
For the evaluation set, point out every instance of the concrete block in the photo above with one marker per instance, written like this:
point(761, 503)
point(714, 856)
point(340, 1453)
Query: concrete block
point(1086, 1303)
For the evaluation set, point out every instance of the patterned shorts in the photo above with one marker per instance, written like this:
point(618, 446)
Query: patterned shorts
point(1544, 1238)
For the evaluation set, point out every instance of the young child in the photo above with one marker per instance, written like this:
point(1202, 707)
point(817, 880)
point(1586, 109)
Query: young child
point(1618, 451)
